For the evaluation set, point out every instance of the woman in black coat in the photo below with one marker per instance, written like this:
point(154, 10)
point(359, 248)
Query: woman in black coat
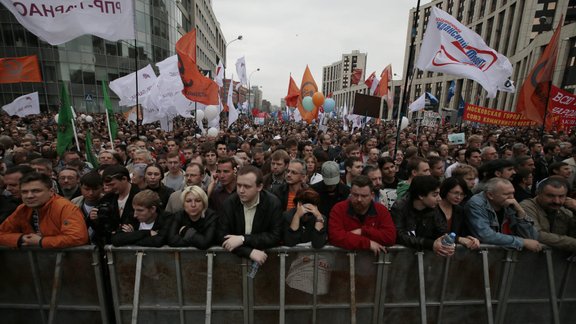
point(305, 223)
point(195, 225)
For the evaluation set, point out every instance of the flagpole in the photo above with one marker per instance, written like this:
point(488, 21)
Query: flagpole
point(546, 109)
point(138, 120)
point(109, 129)
point(75, 134)
point(408, 75)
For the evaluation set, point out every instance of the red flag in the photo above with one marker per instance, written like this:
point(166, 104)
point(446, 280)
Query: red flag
point(308, 87)
point(197, 87)
point(356, 76)
point(535, 91)
point(293, 94)
point(370, 80)
point(20, 69)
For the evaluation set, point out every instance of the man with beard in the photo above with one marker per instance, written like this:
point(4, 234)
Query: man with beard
point(358, 223)
point(381, 195)
point(553, 214)
point(278, 163)
point(68, 179)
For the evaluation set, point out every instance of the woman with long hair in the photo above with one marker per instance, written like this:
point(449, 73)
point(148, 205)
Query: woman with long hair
point(312, 168)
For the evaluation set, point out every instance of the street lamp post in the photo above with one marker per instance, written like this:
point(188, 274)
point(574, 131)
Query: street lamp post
point(249, 87)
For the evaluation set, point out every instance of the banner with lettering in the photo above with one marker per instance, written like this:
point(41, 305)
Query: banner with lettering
point(58, 21)
point(491, 116)
point(561, 110)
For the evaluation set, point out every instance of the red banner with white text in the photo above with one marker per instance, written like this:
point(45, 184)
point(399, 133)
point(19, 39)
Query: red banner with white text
point(491, 116)
point(561, 110)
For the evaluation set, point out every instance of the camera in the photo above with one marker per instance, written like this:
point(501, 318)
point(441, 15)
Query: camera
point(104, 211)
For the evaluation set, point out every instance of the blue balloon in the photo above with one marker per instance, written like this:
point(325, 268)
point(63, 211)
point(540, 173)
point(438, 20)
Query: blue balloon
point(329, 105)
point(308, 103)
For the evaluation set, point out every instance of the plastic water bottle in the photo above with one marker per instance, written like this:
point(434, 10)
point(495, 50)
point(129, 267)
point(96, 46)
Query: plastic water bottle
point(253, 269)
point(449, 239)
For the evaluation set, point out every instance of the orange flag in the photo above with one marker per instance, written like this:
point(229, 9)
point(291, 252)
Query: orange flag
point(20, 69)
point(535, 91)
point(293, 94)
point(308, 87)
point(197, 87)
point(382, 90)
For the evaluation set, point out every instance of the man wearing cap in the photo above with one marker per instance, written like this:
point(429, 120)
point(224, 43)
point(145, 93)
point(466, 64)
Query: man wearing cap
point(330, 189)
point(499, 168)
point(116, 205)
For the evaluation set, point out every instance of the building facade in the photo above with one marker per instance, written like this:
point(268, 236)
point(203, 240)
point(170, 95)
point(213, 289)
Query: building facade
point(87, 61)
point(337, 78)
point(518, 29)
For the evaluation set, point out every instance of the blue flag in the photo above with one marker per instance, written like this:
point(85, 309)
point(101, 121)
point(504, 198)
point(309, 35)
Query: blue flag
point(461, 106)
point(451, 91)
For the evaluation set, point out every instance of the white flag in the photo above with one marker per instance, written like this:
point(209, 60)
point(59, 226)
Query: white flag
point(344, 116)
point(57, 22)
point(450, 47)
point(232, 112)
point(125, 87)
point(219, 75)
point(23, 106)
point(297, 115)
point(241, 70)
point(374, 86)
point(418, 104)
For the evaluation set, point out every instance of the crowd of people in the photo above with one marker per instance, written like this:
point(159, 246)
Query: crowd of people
point(254, 187)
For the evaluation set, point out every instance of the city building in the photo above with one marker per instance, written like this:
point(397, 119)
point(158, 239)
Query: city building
point(518, 29)
point(83, 63)
point(337, 79)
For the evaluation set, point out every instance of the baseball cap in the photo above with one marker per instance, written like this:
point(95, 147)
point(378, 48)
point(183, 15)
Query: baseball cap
point(330, 173)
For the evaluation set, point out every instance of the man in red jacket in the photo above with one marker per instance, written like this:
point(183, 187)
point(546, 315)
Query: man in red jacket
point(44, 219)
point(358, 223)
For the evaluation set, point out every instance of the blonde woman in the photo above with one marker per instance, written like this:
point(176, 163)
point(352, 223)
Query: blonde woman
point(195, 225)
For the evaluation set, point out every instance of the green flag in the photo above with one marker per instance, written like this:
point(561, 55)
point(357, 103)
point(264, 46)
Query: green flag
point(65, 131)
point(89, 153)
point(111, 119)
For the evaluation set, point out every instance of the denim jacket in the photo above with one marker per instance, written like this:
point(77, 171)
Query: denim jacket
point(483, 223)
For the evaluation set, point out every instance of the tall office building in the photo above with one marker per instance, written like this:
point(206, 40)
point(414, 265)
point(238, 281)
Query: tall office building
point(337, 78)
point(516, 28)
point(86, 61)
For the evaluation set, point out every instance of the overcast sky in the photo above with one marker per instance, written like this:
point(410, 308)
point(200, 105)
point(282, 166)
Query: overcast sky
point(282, 36)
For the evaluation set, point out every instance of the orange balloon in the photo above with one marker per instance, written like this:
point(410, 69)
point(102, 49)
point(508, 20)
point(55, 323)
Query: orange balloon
point(318, 99)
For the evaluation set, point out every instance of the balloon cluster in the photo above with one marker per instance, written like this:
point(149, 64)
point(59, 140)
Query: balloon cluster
point(317, 100)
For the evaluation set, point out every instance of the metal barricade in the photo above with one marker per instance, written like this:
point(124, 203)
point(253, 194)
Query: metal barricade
point(52, 286)
point(301, 284)
point(185, 285)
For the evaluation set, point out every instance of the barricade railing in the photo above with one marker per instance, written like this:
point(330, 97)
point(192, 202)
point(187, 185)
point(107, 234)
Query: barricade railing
point(300, 284)
point(52, 286)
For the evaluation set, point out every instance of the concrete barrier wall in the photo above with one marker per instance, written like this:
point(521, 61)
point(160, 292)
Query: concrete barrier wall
point(296, 285)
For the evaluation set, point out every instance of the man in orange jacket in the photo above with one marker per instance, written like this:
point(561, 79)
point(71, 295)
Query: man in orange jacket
point(44, 219)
